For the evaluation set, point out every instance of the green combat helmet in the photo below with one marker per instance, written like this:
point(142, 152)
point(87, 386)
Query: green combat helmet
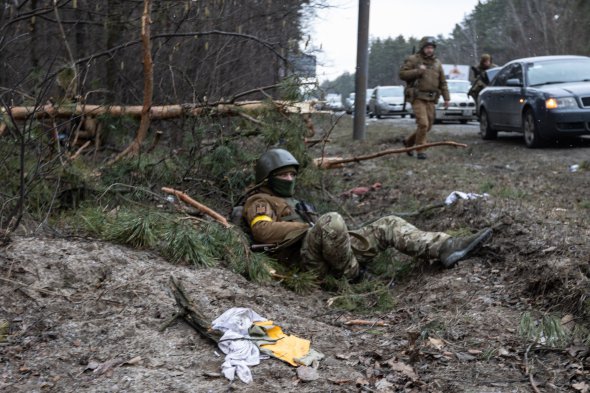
point(428, 40)
point(273, 160)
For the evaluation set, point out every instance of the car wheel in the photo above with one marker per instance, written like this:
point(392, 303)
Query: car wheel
point(531, 131)
point(371, 115)
point(463, 121)
point(403, 116)
point(437, 121)
point(485, 128)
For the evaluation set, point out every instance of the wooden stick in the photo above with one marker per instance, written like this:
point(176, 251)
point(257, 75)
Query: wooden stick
point(157, 137)
point(328, 163)
point(202, 208)
point(363, 322)
point(77, 153)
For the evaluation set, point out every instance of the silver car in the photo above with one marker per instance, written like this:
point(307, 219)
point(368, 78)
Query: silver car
point(387, 101)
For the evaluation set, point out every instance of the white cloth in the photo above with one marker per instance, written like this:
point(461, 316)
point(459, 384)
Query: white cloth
point(240, 351)
point(456, 195)
point(239, 354)
point(237, 319)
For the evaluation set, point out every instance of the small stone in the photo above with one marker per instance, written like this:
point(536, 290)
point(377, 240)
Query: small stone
point(307, 374)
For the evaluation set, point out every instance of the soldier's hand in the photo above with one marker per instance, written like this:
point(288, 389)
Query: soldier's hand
point(447, 104)
point(422, 67)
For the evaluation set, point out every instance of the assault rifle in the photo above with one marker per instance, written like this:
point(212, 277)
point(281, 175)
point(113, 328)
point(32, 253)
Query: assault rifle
point(406, 89)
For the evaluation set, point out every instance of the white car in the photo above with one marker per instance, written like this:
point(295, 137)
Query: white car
point(461, 108)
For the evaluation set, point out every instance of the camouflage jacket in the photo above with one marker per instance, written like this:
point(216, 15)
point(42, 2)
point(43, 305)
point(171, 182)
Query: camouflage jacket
point(427, 81)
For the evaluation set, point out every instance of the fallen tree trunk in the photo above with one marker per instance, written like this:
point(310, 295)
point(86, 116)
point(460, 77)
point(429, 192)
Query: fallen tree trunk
point(338, 162)
point(155, 112)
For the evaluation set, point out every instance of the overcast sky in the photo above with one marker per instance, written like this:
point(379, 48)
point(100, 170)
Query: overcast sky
point(335, 29)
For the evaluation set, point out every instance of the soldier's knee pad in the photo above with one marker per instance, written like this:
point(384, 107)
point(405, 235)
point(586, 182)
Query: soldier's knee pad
point(333, 221)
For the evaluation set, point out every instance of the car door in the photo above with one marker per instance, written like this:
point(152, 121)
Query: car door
point(494, 98)
point(513, 97)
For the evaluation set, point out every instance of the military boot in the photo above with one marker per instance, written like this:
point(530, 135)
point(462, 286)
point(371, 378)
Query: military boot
point(457, 248)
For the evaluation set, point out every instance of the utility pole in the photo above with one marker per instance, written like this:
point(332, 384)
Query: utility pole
point(362, 71)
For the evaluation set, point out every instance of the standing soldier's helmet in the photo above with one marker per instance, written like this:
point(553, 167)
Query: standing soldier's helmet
point(271, 161)
point(428, 40)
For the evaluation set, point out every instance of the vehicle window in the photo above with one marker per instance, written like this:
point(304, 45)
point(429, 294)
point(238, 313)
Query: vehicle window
point(502, 77)
point(396, 91)
point(558, 71)
point(459, 87)
point(515, 72)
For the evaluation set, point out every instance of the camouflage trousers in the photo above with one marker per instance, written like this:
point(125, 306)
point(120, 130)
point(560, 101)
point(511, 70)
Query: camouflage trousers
point(329, 247)
point(424, 112)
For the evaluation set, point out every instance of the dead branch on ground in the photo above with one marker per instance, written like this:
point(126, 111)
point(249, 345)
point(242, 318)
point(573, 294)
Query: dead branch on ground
point(337, 162)
point(190, 313)
point(202, 208)
point(362, 322)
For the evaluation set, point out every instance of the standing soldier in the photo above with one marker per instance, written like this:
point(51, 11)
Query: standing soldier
point(425, 82)
point(480, 77)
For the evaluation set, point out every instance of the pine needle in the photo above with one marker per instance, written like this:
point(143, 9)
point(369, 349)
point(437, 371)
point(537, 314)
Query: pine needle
point(134, 229)
point(184, 244)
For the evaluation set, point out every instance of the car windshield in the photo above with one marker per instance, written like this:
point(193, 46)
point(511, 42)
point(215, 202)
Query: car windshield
point(396, 91)
point(558, 71)
point(458, 86)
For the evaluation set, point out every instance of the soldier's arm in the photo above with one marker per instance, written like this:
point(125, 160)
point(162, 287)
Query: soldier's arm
point(410, 71)
point(262, 219)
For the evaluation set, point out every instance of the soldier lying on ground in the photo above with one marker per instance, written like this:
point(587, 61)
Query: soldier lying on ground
point(326, 245)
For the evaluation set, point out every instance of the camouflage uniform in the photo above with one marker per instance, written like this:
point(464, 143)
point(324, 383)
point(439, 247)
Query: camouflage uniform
point(424, 87)
point(328, 246)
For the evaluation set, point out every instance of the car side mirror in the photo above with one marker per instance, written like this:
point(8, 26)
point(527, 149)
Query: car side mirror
point(513, 82)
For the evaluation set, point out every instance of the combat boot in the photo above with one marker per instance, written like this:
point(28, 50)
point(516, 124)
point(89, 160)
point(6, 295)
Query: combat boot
point(457, 248)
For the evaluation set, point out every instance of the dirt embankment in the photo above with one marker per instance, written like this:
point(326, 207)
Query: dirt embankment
point(83, 315)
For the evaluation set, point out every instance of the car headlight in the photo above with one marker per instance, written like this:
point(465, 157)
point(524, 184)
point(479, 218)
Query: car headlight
point(561, 103)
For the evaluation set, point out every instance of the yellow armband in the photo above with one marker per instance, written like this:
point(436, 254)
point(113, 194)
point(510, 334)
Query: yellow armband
point(259, 218)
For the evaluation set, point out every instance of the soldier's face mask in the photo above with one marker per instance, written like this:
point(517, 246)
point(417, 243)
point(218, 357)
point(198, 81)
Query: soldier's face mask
point(282, 182)
point(282, 187)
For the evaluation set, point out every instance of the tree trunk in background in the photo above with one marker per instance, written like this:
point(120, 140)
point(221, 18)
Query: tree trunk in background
point(148, 85)
point(33, 41)
point(113, 35)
